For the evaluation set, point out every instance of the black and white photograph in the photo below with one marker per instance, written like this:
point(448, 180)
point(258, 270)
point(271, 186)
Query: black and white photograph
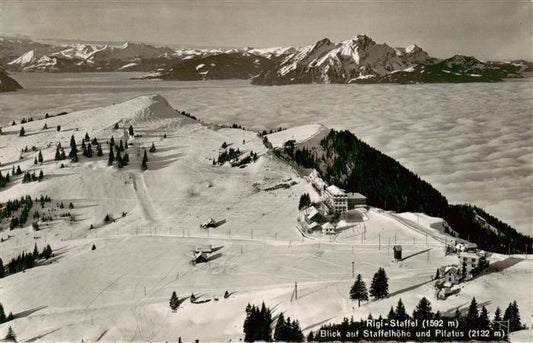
point(266, 171)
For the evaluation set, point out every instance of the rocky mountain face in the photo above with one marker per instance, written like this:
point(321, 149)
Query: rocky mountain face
point(361, 60)
point(7, 83)
point(356, 60)
point(24, 55)
point(181, 64)
point(457, 69)
point(233, 65)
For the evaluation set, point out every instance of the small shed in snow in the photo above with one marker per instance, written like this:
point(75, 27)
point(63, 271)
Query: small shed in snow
point(328, 229)
point(397, 252)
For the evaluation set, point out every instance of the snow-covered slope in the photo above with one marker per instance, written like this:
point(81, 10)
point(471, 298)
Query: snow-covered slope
point(120, 291)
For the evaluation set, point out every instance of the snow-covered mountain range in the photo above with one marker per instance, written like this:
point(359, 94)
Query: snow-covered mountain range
point(356, 60)
point(30, 56)
point(362, 60)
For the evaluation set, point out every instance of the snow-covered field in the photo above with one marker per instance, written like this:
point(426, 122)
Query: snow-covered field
point(120, 291)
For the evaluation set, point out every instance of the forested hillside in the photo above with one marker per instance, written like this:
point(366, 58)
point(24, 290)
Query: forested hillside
point(346, 161)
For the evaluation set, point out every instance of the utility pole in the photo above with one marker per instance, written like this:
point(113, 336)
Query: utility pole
point(379, 242)
point(353, 268)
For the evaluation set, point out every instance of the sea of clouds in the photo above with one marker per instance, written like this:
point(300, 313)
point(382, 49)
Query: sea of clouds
point(473, 142)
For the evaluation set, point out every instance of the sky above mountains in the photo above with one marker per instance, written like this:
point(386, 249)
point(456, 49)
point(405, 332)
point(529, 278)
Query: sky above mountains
point(484, 28)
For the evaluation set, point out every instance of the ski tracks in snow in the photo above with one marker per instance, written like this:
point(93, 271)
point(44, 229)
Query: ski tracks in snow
point(143, 197)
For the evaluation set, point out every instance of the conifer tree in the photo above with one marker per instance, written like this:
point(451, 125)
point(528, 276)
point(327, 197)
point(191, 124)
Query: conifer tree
point(40, 157)
point(99, 151)
point(35, 161)
point(280, 331)
point(401, 313)
point(120, 146)
point(41, 176)
point(112, 141)
point(119, 160)
point(473, 315)
point(305, 200)
point(2, 314)
point(2, 270)
point(73, 144)
point(10, 337)
point(358, 291)
point(87, 138)
point(144, 164)
point(423, 310)
point(497, 315)
point(89, 150)
point(513, 315)
point(130, 130)
point(380, 284)
point(73, 154)
point(111, 158)
point(45, 127)
point(152, 148)
point(483, 321)
point(392, 314)
point(22, 132)
point(35, 251)
point(174, 301)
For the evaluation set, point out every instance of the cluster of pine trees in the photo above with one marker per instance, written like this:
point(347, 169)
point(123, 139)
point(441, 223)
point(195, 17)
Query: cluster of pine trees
point(26, 120)
point(120, 155)
point(379, 287)
point(305, 200)
point(351, 164)
point(258, 326)
point(265, 132)
point(4, 180)
point(3, 317)
point(187, 114)
point(287, 330)
point(39, 158)
point(227, 155)
point(26, 203)
point(31, 177)
point(474, 318)
point(27, 260)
